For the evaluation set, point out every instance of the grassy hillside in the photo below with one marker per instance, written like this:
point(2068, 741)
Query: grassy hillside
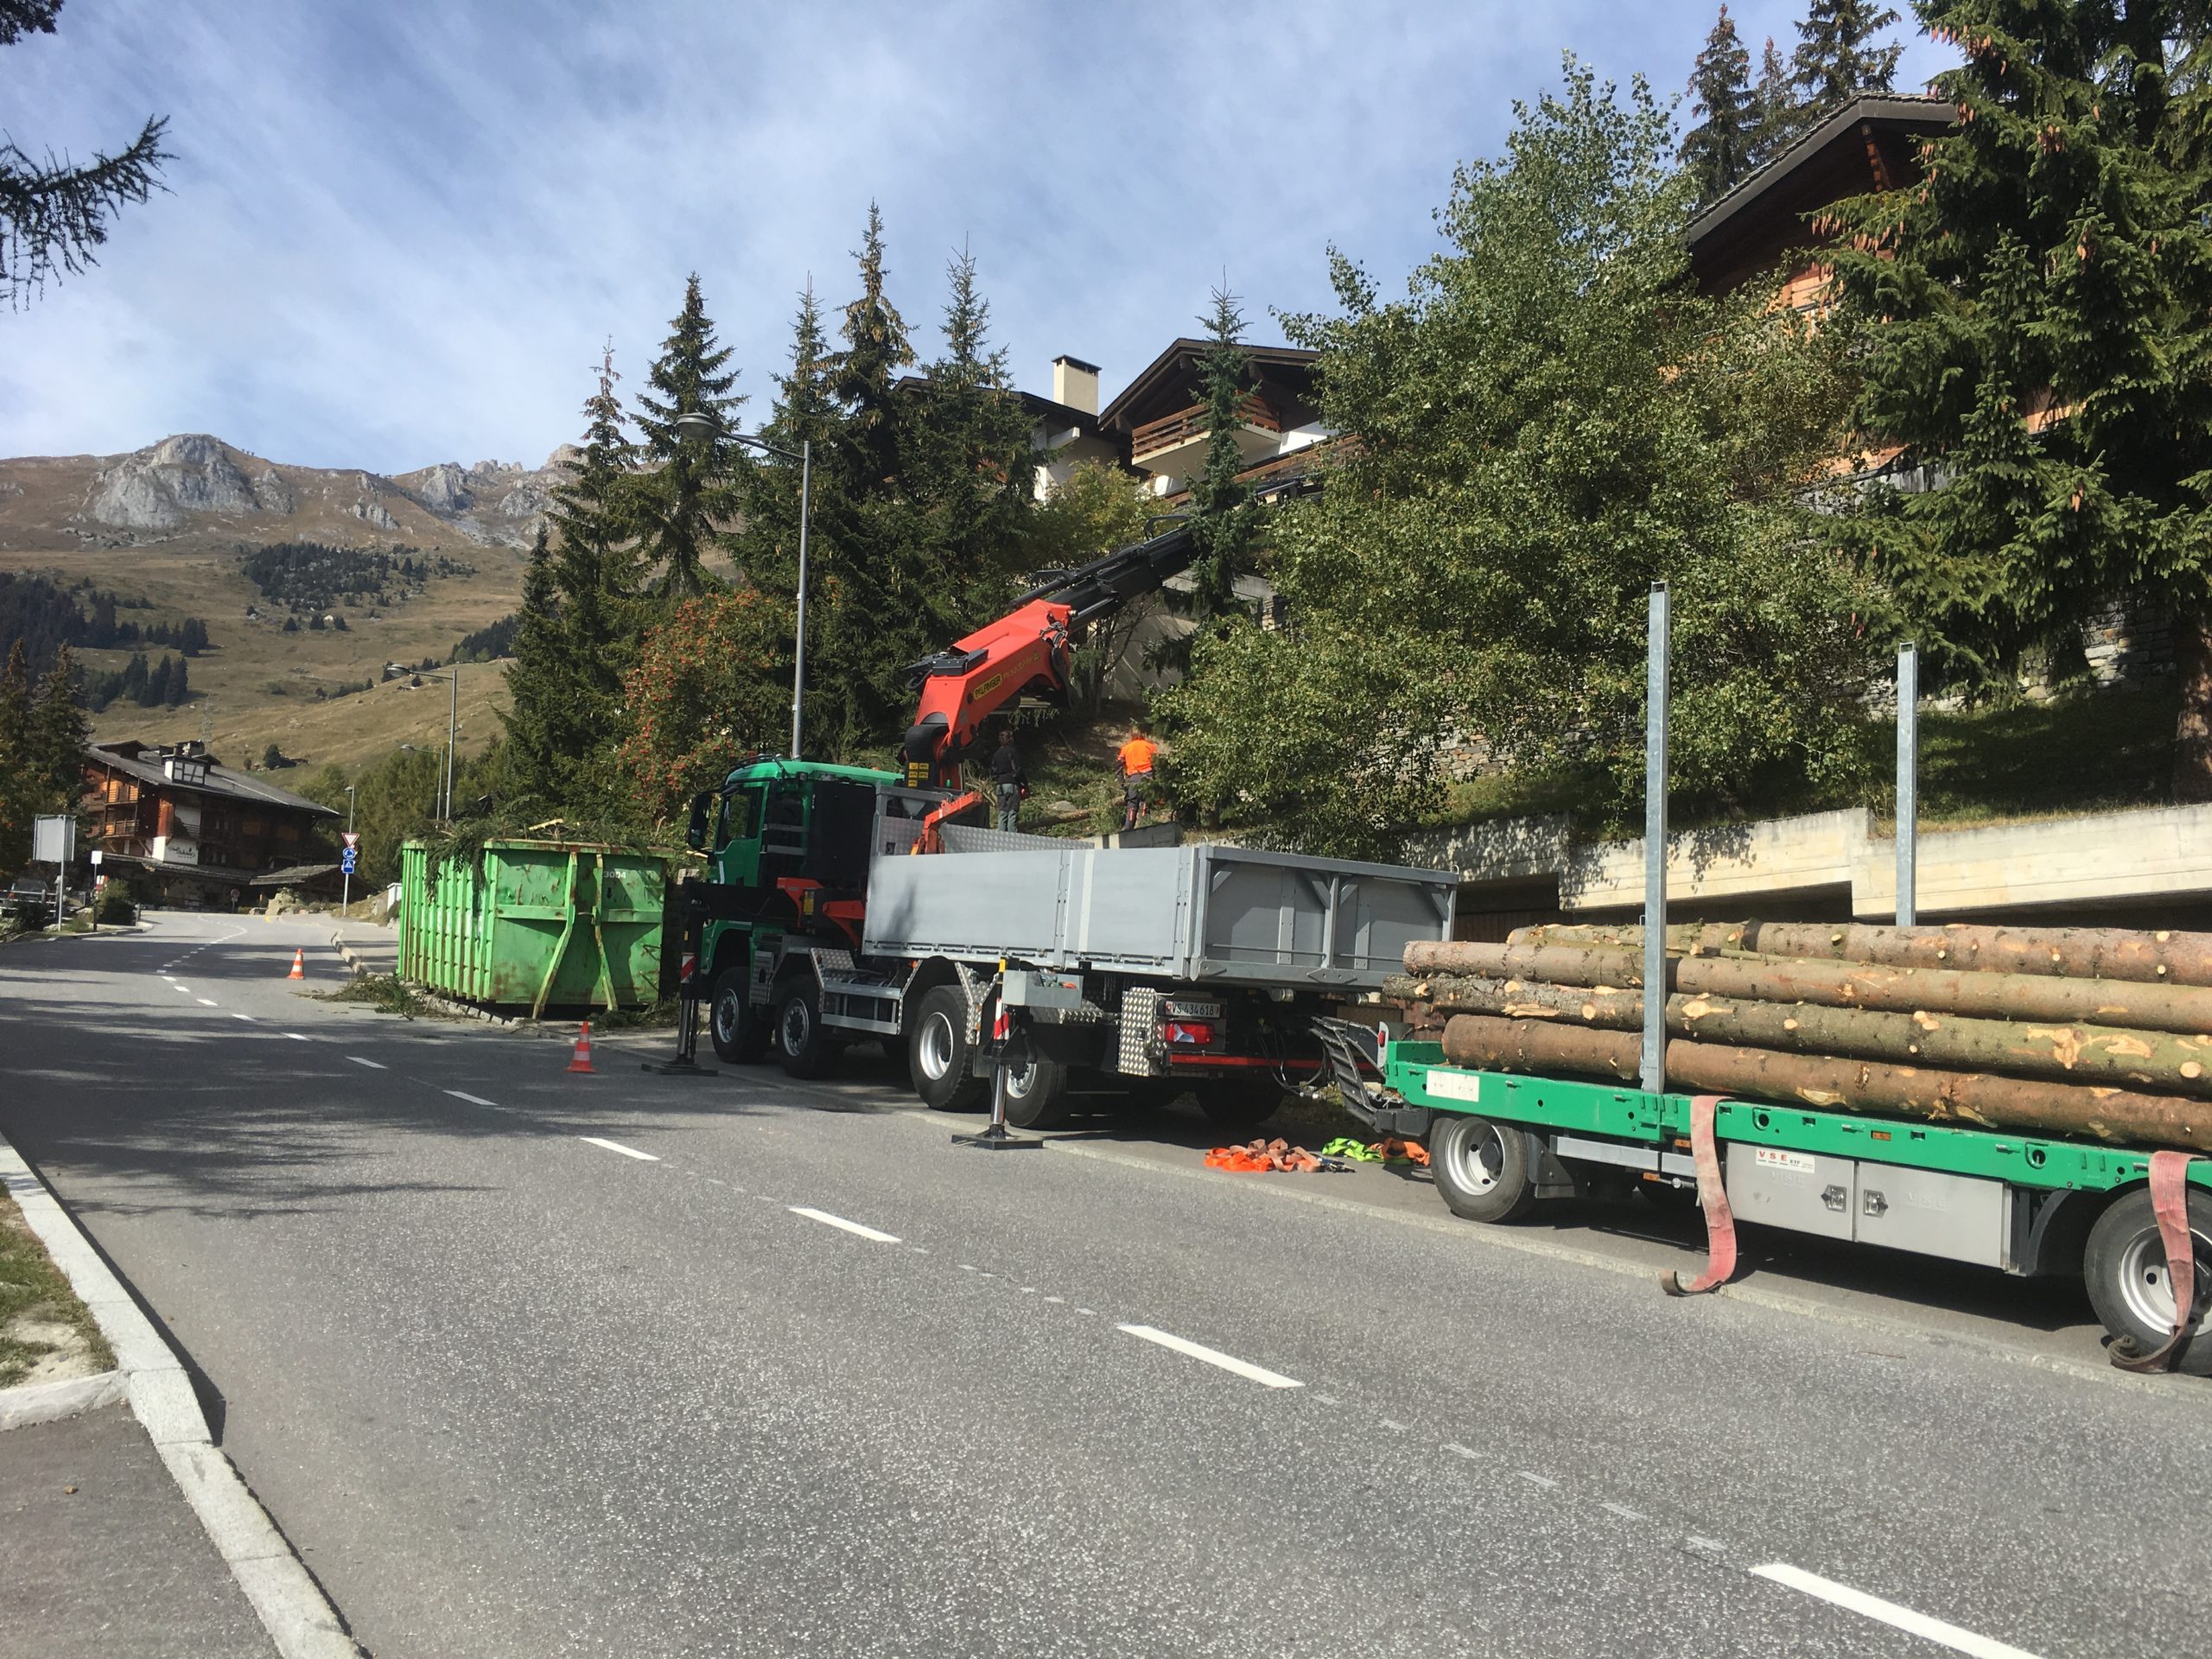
point(257, 684)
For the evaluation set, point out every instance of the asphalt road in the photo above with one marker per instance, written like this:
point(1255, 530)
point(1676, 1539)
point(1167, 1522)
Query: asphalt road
point(531, 1364)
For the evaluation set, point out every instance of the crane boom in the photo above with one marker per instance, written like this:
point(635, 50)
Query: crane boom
point(1026, 651)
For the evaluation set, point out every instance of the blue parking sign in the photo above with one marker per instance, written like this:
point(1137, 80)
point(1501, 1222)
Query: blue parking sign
point(345, 860)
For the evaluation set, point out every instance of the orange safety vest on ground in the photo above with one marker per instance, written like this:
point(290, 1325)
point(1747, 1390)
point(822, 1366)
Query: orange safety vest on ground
point(1136, 755)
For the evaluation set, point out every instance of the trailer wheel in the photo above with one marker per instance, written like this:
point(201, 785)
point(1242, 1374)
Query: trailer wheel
point(1481, 1169)
point(938, 1052)
point(738, 1031)
point(2124, 1267)
point(807, 1049)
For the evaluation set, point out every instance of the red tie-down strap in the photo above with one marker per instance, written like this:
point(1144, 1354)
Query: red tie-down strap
point(1720, 1220)
point(2169, 1205)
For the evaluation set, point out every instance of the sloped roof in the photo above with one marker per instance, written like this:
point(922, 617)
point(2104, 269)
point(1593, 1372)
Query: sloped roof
point(1154, 376)
point(1912, 113)
point(221, 781)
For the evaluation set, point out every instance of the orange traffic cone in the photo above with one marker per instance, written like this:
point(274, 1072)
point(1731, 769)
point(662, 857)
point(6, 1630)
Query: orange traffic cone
point(299, 964)
point(581, 1060)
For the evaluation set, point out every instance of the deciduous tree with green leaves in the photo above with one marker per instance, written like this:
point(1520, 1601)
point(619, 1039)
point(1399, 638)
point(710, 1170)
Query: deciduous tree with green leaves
point(2034, 320)
point(1551, 420)
point(712, 684)
point(1095, 509)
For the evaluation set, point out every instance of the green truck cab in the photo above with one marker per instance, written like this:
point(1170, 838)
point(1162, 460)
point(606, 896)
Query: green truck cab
point(788, 844)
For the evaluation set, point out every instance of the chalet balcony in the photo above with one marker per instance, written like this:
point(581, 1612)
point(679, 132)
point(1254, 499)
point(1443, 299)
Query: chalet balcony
point(1176, 443)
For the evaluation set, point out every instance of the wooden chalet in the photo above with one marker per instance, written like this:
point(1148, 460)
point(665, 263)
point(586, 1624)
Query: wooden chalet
point(187, 829)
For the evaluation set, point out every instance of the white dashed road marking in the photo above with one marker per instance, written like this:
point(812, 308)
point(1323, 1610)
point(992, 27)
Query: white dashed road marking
point(1623, 1511)
point(247, 1017)
point(296, 1036)
point(852, 1227)
point(1888, 1612)
point(473, 1100)
point(1183, 1345)
point(374, 1065)
point(1544, 1481)
point(616, 1145)
point(205, 1001)
point(1459, 1451)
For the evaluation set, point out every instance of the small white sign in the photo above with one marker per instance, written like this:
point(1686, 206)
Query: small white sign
point(96, 858)
point(1797, 1163)
point(1456, 1085)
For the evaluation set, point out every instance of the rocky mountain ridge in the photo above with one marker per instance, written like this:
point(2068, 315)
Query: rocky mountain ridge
point(193, 482)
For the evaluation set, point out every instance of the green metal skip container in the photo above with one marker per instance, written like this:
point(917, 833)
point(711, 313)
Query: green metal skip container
point(533, 925)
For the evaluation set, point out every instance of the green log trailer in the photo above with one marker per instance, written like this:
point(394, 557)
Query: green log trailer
point(1501, 1144)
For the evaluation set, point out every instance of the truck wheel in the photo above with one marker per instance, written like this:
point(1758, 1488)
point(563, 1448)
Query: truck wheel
point(2124, 1267)
point(1239, 1103)
point(1481, 1169)
point(807, 1049)
point(938, 1052)
point(1036, 1093)
point(739, 1030)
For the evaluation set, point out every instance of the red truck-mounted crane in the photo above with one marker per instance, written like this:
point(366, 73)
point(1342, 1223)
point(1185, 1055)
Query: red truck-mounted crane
point(1024, 654)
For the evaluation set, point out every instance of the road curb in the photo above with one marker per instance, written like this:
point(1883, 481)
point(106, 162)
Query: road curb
point(28, 1406)
point(284, 1596)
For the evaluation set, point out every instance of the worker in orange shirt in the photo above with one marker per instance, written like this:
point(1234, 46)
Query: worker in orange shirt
point(1135, 760)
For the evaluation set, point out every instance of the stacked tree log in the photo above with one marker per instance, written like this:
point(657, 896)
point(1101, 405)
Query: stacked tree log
point(2098, 1033)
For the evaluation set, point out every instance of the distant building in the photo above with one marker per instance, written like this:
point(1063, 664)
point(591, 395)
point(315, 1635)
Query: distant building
point(196, 831)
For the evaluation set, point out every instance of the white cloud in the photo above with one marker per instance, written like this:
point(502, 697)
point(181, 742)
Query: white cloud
point(398, 233)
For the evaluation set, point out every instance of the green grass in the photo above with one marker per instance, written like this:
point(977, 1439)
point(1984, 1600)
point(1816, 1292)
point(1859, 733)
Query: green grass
point(32, 1288)
point(2085, 752)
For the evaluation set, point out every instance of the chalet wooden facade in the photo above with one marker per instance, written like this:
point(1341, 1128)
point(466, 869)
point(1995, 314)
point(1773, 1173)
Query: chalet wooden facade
point(192, 831)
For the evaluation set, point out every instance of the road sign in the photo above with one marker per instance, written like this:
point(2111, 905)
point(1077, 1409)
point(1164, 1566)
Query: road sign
point(345, 860)
point(53, 840)
point(96, 858)
point(352, 838)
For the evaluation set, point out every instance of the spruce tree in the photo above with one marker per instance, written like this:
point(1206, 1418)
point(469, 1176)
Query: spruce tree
point(52, 214)
point(1777, 115)
point(1837, 58)
point(17, 791)
point(1224, 523)
point(536, 754)
point(694, 488)
point(2034, 315)
point(594, 572)
point(972, 470)
point(1718, 151)
point(54, 751)
point(876, 348)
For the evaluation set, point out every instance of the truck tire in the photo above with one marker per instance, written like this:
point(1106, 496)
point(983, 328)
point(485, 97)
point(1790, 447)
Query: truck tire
point(738, 1030)
point(2125, 1268)
point(1036, 1093)
point(807, 1048)
point(1481, 1168)
point(938, 1053)
point(1236, 1103)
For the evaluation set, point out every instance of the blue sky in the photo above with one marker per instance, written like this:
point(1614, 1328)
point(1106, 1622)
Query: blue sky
point(398, 230)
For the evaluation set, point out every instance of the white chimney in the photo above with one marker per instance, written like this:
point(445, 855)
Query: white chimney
point(1075, 383)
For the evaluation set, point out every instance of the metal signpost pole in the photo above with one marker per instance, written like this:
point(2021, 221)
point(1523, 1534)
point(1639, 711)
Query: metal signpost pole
point(1653, 1069)
point(1907, 784)
point(348, 898)
point(799, 661)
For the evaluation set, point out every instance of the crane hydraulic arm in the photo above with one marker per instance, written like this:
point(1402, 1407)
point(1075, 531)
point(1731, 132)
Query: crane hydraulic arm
point(1025, 653)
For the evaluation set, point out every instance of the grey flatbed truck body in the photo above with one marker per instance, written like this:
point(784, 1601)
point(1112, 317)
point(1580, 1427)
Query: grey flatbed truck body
point(1202, 914)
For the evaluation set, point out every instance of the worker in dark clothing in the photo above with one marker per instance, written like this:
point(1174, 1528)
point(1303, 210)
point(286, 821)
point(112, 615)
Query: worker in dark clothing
point(1006, 769)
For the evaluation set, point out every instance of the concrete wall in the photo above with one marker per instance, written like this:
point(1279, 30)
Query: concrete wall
point(1832, 865)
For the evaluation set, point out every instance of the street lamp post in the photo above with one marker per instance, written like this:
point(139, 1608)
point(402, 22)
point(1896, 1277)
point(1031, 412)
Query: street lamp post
point(443, 804)
point(704, 423)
